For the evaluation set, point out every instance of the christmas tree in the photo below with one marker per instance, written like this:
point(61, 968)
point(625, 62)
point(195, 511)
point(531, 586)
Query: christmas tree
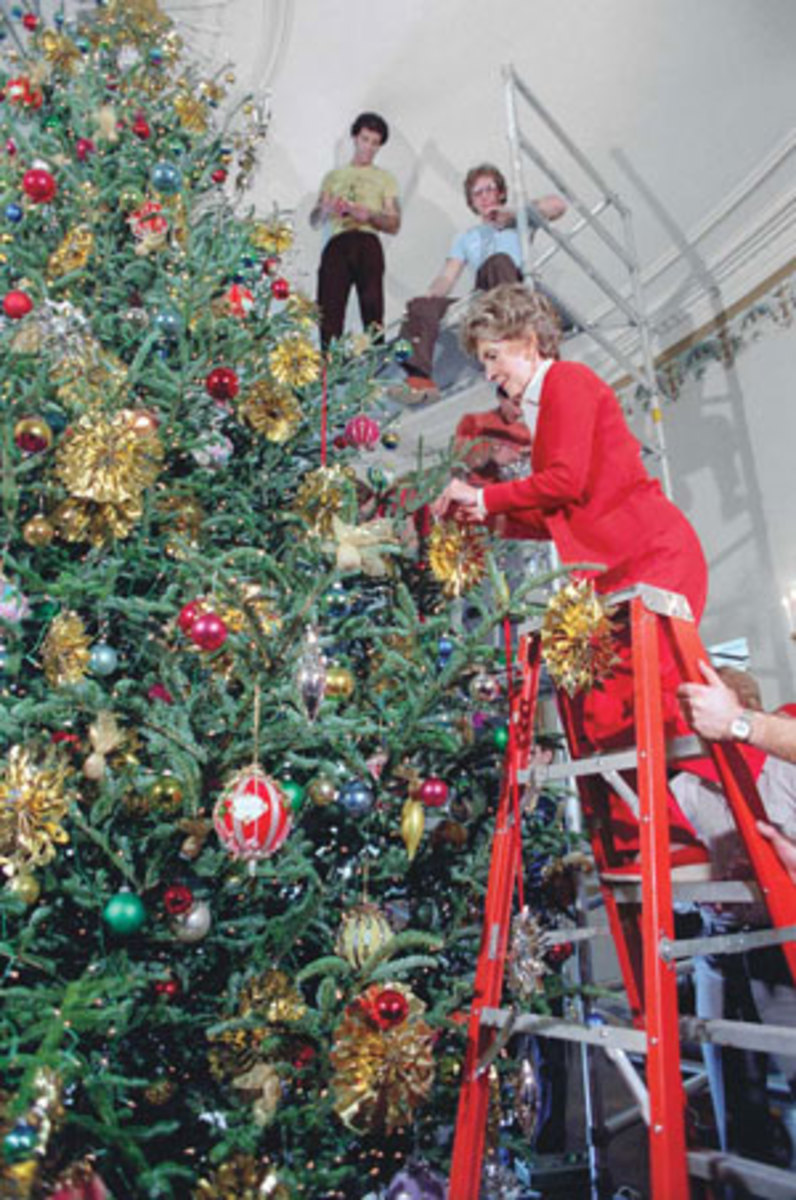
point(248, 757)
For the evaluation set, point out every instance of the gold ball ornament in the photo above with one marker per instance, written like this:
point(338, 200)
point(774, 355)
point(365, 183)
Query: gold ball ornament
point(166, 794)
point(38, 532)
point(340, 683)
point(25, 886)
point(33, 435)
point(413, 823)
point(160, 1092)
point(364, 930)
point(322, 791)
point(142, 421)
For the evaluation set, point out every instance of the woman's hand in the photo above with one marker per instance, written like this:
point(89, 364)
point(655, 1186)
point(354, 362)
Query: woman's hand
point(457, 494)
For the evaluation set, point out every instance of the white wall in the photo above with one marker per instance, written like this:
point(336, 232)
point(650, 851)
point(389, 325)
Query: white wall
point(732, 440)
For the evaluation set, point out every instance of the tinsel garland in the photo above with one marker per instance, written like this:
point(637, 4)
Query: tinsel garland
point(322, 494)
point(271, 409)
point(32, 808)
point(295, 361)
point(456, 556)
point(577, 638)
point(381, 1075)
point(774, 310)
point(65, 650)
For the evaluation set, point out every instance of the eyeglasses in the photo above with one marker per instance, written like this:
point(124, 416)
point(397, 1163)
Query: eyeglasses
point(484, 189)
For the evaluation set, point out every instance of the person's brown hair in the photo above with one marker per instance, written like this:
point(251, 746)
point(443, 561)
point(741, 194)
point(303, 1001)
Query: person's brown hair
point(493, 173)
point(744, 685)
point(511, 312)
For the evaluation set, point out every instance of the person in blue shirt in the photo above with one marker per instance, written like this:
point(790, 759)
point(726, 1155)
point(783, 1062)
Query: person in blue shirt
point(492, 251)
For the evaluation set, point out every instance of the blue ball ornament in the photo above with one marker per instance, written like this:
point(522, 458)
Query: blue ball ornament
point(445, 647)
point(168, 322)
point(19, 1144)
point(104, 659)
point(402, 350)
point(166, 178)
point(156, 56)
point(337, 604)
point(356, 797)
point(13, 213)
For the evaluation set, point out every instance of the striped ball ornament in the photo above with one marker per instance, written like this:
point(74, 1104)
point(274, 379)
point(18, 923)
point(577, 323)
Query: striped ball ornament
point(252, 815)
point(363, 930)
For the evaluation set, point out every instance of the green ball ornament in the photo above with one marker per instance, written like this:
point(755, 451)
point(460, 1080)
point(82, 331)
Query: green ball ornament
point(294, 793)
point(19, 1144)
point(124, 913)
point(501, 737)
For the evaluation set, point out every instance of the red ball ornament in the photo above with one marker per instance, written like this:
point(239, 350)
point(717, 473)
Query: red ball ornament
point(159, 692)
point(280, 288)
point(557, 955)
point(362, 432)
point(141, 127)
point(390, 1008)
point(168, 988)
point(208, 632)
point(30, 21)
point(177, 899)
point(219, 175)
point(11, 147)
point(39, 185)
point(222, 383)
point(61, 738)
point(340, 441)
point(190, 613)
point(252, 815)
point(83, 148)
point(433, 792)
point(17, 305)
point(270, 264)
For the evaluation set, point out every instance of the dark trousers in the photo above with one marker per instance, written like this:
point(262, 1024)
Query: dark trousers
point(424, 314)
point(353, 259)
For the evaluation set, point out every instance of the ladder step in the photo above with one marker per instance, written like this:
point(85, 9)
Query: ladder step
point(748, 1035)
point(763, 1180)
point(677, 750)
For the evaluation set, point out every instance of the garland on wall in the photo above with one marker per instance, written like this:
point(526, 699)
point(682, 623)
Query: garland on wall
point(729, 335)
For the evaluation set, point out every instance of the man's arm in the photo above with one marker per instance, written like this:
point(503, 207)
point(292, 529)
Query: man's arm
point(324, 205)
point(388, 220)
point(711, 707)
point(551, 207)
point(442, 284)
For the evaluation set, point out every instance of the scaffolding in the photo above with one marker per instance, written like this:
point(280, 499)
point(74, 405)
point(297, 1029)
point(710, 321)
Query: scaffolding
point(622, 331)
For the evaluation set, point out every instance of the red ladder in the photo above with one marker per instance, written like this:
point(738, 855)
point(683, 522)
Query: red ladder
point(648, 976)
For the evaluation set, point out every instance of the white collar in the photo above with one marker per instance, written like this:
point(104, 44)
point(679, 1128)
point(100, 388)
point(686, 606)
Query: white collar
point(533, 392)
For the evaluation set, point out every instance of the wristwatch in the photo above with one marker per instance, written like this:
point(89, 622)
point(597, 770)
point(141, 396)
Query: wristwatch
point(741, 727)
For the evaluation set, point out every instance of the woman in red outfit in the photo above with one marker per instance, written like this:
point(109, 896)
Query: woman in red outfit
point(588, 490)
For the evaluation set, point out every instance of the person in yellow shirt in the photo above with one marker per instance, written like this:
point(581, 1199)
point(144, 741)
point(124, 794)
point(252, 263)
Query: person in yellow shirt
point(356, 203)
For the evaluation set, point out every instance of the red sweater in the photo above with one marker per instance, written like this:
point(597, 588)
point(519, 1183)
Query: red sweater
point(590, 493)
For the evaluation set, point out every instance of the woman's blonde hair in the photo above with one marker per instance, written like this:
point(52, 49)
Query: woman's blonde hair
point(511, 312)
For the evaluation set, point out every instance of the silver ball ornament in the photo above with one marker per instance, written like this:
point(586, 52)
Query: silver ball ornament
point(104, 659)
point(194, 925)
